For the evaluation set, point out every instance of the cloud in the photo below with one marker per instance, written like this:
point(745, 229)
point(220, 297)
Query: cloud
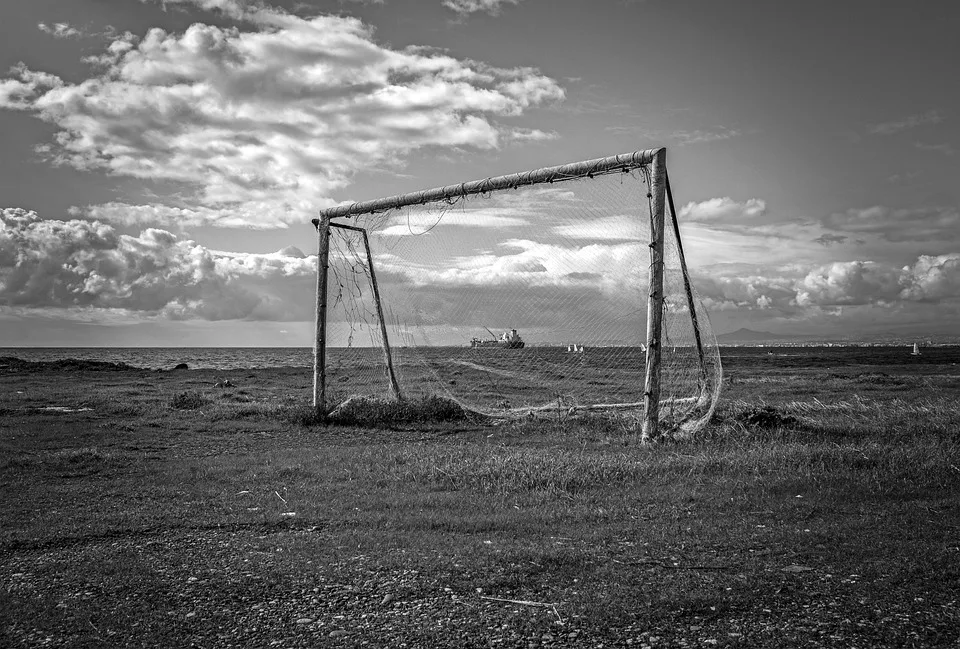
point(617, 227)
point(903, 178)
point(522, 207)
point(723, 210)
point(909, 122)
point(944, 148)
point(605, 267)
point(252, 214)
point(724, 290)
point(897, 225)
point(848, 283)
point(466, 7)
point(827, 240)
point(419, 223)
point(797, 288)
point(931, 278)
point(59, 30)
point(701, 136)
point(237, 9)
point(260, 124)
point(87, 265)
point(530, 135)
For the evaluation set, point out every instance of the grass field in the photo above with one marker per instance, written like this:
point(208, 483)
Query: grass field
point(821, 508)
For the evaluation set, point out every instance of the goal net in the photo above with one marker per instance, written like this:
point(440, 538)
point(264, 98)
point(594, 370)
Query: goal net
point(516, 295)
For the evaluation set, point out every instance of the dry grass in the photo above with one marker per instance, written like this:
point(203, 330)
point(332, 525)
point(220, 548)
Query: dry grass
point(168, 477)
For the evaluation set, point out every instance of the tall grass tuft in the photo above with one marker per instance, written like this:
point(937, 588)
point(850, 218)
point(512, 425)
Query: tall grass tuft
point(373, 413)
point(188, 400)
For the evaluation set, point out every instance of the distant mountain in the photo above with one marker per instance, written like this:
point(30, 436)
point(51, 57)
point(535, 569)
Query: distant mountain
point(750, 336)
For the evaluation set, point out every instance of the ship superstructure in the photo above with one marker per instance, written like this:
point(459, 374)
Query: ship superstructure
point(507, 340)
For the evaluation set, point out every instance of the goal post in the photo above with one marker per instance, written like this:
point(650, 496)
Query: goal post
point(651, 385)
point(320, 340)
point(409, 286)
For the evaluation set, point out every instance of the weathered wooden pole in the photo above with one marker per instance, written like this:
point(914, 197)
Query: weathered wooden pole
point(394, 386)
point(651, 387)
point(320, 343)
point(687, 287)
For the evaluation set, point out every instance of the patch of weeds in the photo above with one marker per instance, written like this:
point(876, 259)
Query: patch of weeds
point(369, 412)
point(765, 418)
point(188, 400)
point(879, 378)
point(115, 408)
point(303, 416)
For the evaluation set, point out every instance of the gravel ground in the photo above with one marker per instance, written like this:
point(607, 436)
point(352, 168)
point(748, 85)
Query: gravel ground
point(231, 588)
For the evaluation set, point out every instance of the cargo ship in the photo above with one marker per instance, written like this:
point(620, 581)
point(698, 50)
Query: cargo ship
point(507, 340)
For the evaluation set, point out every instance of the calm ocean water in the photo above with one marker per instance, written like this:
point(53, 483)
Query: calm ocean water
point(220, 358)
point(225, 358)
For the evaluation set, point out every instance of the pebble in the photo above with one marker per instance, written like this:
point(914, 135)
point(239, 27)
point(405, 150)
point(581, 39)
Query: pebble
point(304, 620)
point(387, 599)
point(339, 633)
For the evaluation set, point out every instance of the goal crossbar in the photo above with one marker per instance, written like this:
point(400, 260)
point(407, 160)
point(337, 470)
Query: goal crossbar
point(586, 168)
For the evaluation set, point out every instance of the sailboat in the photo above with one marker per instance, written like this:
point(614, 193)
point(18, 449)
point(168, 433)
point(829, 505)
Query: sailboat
point(916, 350)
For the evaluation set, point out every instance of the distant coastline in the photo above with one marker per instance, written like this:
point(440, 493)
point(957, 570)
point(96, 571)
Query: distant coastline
point(749, 337)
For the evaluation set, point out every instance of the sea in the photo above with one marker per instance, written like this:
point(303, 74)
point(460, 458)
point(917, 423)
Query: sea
point(218, 358)
point(230, 358)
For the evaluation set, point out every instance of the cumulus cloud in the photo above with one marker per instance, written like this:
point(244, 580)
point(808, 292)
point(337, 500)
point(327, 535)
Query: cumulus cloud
point(909, 122)
point(932, 278)
point(897, 225)
point(466, 7)
point(80, 264)
point(723, 210)
point(609, 268)
point(724, 290)
point(797, 288)
point(843, 283)
point(263, 122)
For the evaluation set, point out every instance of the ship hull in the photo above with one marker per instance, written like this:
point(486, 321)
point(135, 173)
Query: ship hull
point(497, 344)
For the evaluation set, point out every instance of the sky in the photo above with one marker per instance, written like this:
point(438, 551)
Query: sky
point(162, 159)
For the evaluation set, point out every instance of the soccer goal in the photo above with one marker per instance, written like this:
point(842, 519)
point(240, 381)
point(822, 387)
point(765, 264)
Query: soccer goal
point(561, 289)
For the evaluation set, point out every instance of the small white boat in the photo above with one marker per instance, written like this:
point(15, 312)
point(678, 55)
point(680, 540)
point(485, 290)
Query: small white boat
point(916, 350)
